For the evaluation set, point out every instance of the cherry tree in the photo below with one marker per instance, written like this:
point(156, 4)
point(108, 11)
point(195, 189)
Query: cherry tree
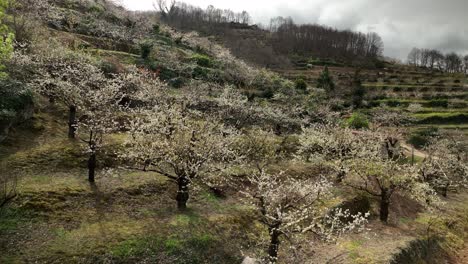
point(63, 76)
point(389, 125)
point(99, 108)
point(446, 164)
point(289, 207)
point(170, 140)
point(336, 145)
point(369, 161)
point(381, 176)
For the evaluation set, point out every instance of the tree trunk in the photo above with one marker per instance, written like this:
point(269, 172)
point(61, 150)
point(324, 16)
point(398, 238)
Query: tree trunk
point(72, 122)
point(384, 206)
point(341, 176)
point(92, 167)
point(274, 245)
point(445, 190)
point(182, 193)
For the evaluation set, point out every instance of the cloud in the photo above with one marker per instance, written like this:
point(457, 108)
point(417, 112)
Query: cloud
point(403, 24)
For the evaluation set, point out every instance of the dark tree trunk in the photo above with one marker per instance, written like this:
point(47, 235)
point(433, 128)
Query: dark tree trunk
point(445, 190)
point(384, 206)
point(182, 193)
point(341, 176)
point(274, 245)
point(92, 167)
point(72, 122)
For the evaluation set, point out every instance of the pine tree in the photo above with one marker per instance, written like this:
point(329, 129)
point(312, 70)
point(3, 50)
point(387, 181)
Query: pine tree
point(359, 91)
point(325, 81)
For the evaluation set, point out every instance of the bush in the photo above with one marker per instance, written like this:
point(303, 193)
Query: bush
point(177, 82)
point(13, 98)
point(301, 84)
point(358, 121)
point(202, 60)
point(165, 73)
point(95, 8)
point(156, 29)
point(420, 138)
point(145, 49)
point(438, 103)
point(110, 68)
point(199, 73)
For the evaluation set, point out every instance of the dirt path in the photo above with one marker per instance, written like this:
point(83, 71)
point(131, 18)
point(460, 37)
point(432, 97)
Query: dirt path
point(417, 153)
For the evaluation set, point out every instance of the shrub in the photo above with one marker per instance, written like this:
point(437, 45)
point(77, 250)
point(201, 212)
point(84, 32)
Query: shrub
point(177, 82)
point(167, 74)
point(110, 68)
point(358, 121)
point(13, 98)
point(438, 103)
point(268, 93)
point(301, 84)
point(95, 8)
point(202, 60)
point(156, 29)
point(199, 73)
point(145, 49)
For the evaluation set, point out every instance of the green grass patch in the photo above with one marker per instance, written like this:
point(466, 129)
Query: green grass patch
point(124, 57)
point(12, 217)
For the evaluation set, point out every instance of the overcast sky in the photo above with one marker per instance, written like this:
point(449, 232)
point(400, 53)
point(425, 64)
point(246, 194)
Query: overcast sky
point(403, 24)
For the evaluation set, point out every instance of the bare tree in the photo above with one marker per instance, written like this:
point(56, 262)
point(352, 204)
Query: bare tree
point(165, 8)
point(465, 61)
point(414, 57)
point(432, 58)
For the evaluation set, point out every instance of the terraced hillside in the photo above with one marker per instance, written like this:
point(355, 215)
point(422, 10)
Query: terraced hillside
point(434, 99)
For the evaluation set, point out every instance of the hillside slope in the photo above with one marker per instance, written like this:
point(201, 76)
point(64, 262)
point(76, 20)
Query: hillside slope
point(130, 215)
